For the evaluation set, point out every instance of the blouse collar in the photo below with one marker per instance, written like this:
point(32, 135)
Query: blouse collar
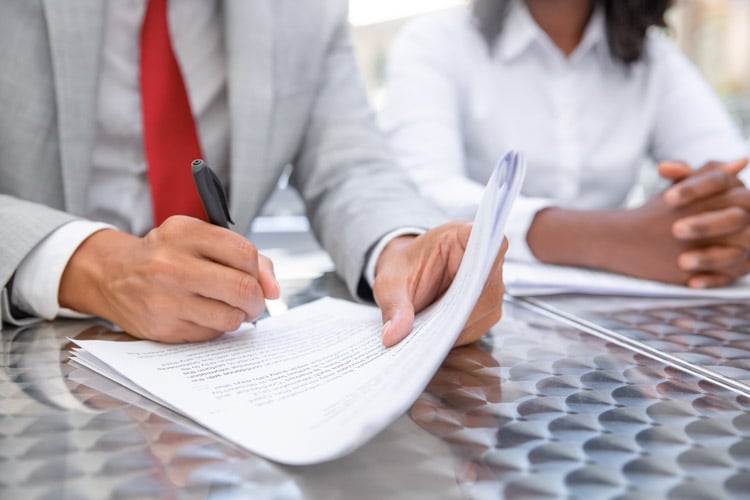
point(520, 31)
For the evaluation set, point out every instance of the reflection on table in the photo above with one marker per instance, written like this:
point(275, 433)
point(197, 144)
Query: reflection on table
point(707, 337)
point(536, 409)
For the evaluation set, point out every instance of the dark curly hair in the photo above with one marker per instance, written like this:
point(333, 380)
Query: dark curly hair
point(627, 22)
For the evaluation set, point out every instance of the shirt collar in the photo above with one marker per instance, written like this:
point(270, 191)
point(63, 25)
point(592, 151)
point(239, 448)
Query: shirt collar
point(595, 35)
point(520, 31)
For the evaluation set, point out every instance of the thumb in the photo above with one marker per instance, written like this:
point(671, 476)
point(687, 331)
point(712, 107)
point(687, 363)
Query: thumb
point(734, 167)
point(398, 313)
point(674, 171)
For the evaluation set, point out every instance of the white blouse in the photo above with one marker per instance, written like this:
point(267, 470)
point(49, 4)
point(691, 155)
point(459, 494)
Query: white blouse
point(586, 123)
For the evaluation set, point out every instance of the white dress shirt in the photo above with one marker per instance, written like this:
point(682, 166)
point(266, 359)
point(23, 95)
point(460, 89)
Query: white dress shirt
point(118, 191)
point(585, 123)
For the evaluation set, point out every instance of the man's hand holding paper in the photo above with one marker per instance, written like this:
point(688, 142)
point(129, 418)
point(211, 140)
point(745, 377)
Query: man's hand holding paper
point(413, 272)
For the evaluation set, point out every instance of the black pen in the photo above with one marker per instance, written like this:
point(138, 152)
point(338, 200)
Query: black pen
point(211, 193)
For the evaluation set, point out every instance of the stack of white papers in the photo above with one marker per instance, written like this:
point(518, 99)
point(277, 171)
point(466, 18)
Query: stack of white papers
point(316, 382)
point(533, 278)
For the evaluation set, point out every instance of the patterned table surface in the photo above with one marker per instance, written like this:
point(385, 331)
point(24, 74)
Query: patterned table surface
point(709, 337)
point(537, 409)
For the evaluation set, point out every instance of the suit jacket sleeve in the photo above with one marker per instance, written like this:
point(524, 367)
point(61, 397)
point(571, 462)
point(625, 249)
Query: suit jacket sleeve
point(354, 191)
point(23, 225)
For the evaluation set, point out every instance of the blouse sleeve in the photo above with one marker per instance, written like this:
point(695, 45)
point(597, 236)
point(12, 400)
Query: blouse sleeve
point(427, 84)
point(422, 114)
point(691, 123)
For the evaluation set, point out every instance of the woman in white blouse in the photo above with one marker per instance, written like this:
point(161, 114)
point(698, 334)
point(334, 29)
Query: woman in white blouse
point(588, 95)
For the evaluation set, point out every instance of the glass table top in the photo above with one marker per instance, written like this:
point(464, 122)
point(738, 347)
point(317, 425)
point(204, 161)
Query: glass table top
point(537, 409)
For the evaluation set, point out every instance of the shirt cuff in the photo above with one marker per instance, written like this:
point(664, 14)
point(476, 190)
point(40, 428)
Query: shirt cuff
point(521, 217)
point(372, 261)
point(37, 278)
point(10, 314)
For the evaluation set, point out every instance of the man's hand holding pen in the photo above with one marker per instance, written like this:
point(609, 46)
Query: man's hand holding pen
point(184, 281)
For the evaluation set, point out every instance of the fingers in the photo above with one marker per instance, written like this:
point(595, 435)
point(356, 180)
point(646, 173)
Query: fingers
point(215, 243)
point(489, 306)
point(726, 232)
point(212, 262)
point(725, 259)
point(476, 328)
point(214, 281)
point(715, 266)
point(222, 246)
point(734, 167)
point(168, 310)
point(674, 171)
point(192, 318)
point(713, 224)
point(392, 291)
point(699, 186)
point(720, 239)
point(211, 315)
point(229, 249)
point(189, 280)
point(713, 280)
point(740, 239)
point(702, 281)
point(176, 332)
point(413, 273)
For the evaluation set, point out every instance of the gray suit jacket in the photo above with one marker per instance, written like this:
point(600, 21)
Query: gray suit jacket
point(294, 94)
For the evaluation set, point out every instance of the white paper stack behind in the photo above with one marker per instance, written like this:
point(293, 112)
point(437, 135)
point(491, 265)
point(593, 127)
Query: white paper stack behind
point(534, 278)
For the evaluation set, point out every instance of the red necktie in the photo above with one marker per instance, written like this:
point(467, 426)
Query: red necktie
point(169, 134)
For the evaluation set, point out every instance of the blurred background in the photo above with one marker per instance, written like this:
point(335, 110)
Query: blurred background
point(715, 35)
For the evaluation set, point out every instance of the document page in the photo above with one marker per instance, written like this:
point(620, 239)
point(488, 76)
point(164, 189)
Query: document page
point(534, 278)
point(316, 382)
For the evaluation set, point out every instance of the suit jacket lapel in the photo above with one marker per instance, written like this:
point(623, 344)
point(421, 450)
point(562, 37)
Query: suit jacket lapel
point(249, 42)
point(75, 34)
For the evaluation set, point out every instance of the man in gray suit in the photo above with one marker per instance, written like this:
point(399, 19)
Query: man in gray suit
point(271, 82)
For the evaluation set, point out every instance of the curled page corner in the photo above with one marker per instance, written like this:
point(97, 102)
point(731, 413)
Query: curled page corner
point(490, 219)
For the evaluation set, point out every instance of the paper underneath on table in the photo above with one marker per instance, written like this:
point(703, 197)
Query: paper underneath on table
point(534, 278)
